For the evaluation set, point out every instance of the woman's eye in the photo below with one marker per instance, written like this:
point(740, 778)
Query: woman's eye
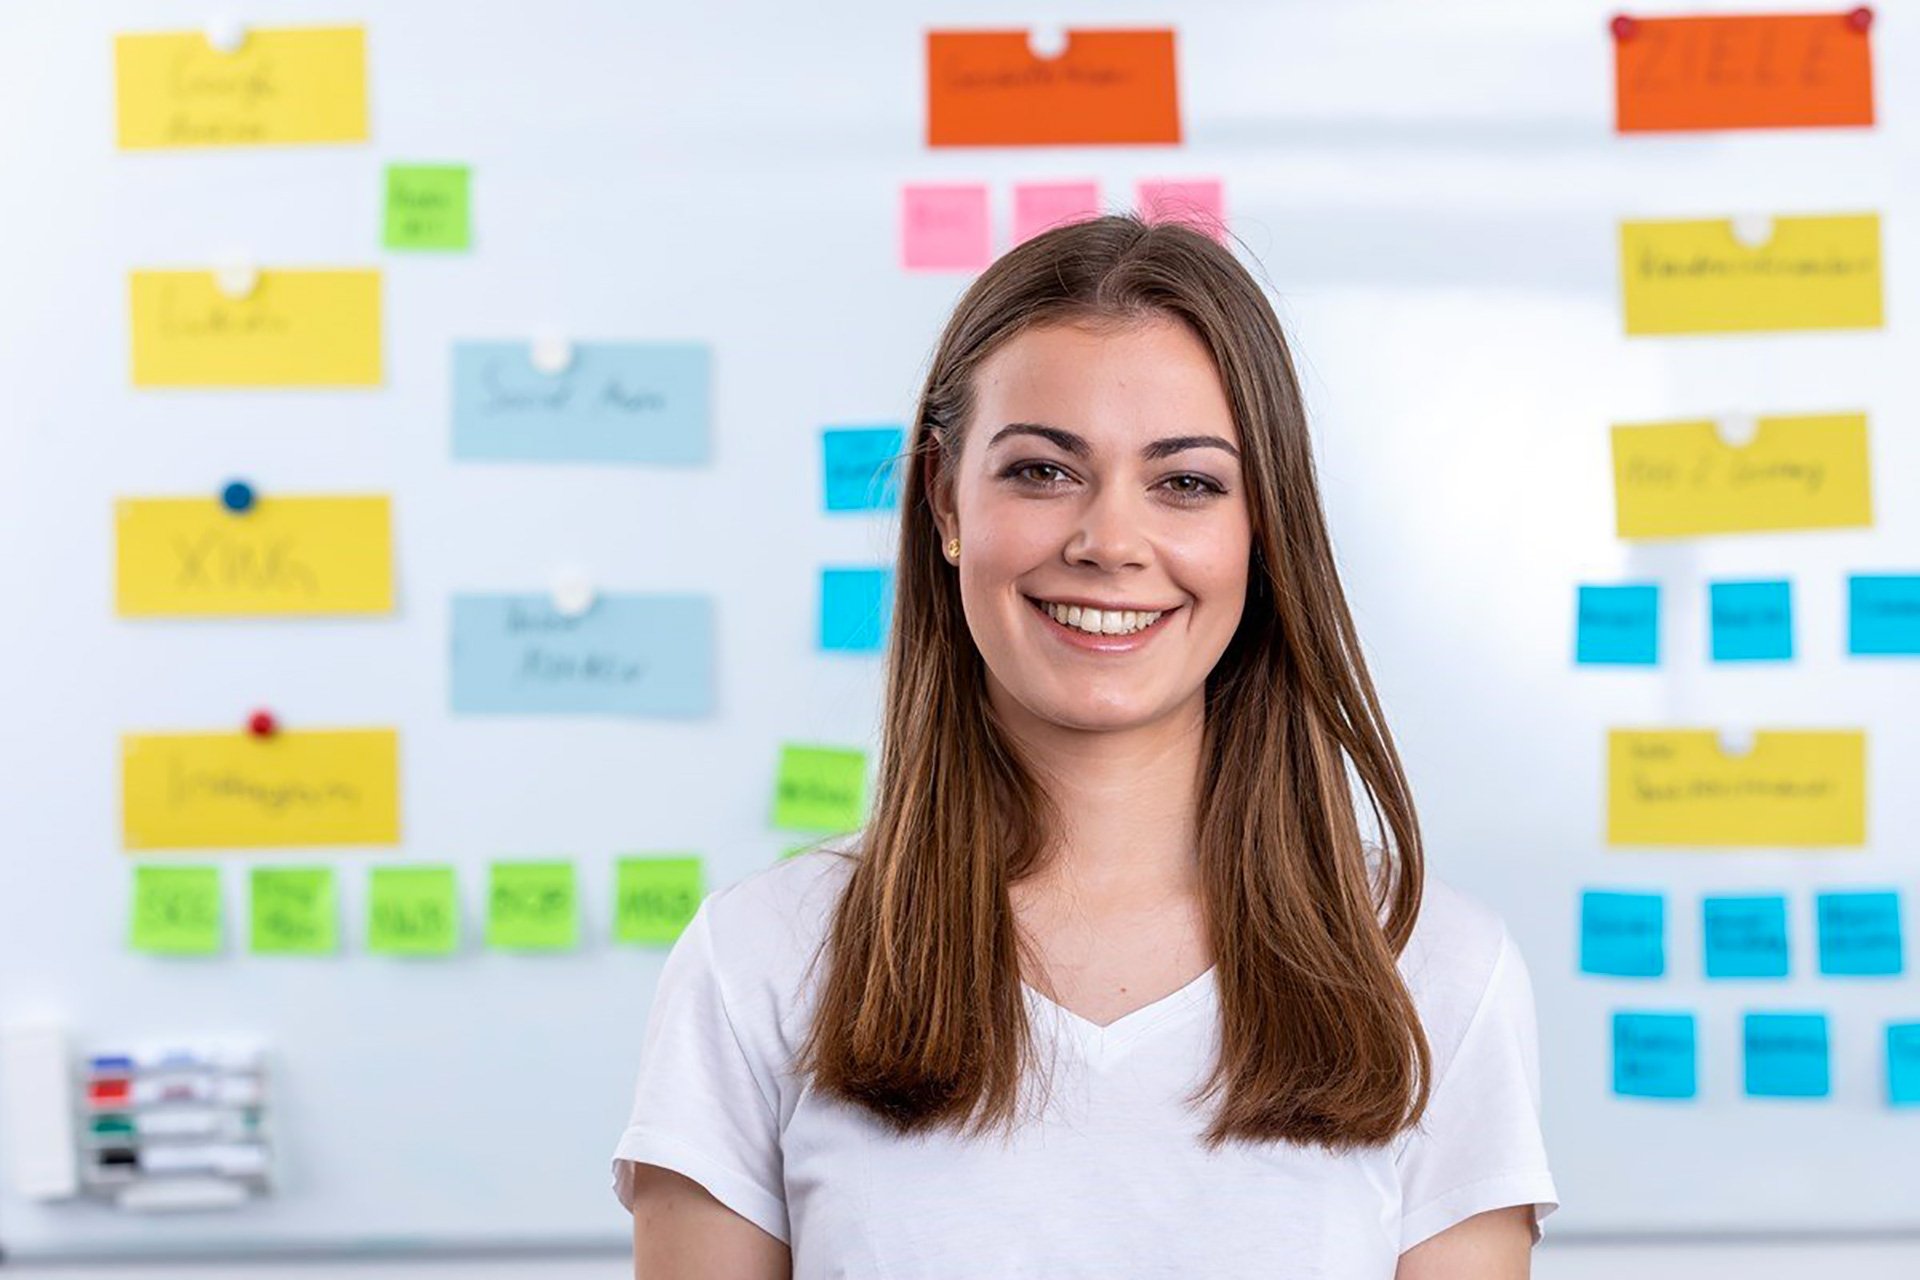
point(1186, 487)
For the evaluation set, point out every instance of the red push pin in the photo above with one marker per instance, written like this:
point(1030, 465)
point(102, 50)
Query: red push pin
point(1624, 27)
point(1860, 19)
point(261, 724)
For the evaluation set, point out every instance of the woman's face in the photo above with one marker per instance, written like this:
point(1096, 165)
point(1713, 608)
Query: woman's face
point(1101, 470)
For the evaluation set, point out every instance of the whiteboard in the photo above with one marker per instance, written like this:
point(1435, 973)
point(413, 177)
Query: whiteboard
point(1432, 193)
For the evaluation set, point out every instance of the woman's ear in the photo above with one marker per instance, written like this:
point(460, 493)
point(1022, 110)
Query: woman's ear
point(939, 488)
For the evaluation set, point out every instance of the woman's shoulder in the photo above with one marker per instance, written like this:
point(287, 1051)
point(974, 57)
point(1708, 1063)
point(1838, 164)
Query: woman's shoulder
point(1459, 947)
point(765, 930)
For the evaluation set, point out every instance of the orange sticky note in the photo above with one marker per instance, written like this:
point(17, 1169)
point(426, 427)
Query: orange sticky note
point(1771, 71)
point(1200, 204)
point(1041, 206)
point(992, 89)
point(945, 228)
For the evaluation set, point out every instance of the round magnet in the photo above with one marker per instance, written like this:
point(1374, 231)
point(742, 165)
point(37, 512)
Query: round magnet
point(1860, 19)
point(552, 353)
point(1623, 27)
point(1047, 42)
point(261, 724)
point(1737, 430)
point(1752, 230)
point(228, 35)
point(1736, 742)
point(236, 276)
point(572, 592)
point(237, 496)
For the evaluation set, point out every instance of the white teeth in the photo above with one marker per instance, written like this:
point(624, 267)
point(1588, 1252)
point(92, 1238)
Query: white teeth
point(1111, 622)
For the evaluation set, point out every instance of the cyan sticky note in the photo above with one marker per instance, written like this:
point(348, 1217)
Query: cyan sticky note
point(629, 655)
point(1752, 621)
point(862, 467)
point(1859, 933)
point(1653, 1055)
point(628, 402)
point(1786, 1055)
point(1623, 934)
point(1903, 1064)
point(1883, 614)
point(1618, 625)
point(855, 605)
point(1745, 935)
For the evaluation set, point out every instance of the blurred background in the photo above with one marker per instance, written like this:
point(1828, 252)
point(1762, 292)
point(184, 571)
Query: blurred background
point(446, 520)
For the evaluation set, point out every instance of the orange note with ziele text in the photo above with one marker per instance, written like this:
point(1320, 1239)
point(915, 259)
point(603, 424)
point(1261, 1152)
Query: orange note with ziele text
point(1771, 71)
point(994, 89)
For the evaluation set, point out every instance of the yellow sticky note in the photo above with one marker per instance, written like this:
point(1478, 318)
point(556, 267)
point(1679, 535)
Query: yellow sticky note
point(192, 557)
point(236, 790)
point(1791, 787)
point(1698, 277)
point(295, 328)
point(1677, 479)
point(282, 84)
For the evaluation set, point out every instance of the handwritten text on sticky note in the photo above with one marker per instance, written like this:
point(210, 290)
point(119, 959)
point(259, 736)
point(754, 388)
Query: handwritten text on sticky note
point(634, 655)
point(1739, 71)
point(192, 557)
point(1860, 933)
point(175, 911)
point(1745, 935)
point(296, 328)
point(626, 402)
point(1618, 625)
point(532, 906)
point(1653, 1055)
point(1786, 1055)
point(1820, 272)
point(236, 790)
point(1751, 621)
point(1681, 479)
point(1883, 614)
point(427, 207)
point(819, 789)
point(993, 89)
point(655, 897)
point(862, 467)
point(1623, 934)
point(412, 911)
point(1792, 787)
point(282, 85)
point(295, 911)
point(945, 227)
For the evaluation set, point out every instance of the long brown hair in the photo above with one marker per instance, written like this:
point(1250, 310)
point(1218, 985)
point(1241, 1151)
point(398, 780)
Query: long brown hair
point(921, 1019)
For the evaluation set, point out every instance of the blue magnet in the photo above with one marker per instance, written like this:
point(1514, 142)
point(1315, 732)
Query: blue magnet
point(238, 495)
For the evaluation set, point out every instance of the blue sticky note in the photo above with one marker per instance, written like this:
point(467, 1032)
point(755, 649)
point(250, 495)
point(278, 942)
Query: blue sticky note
point(1903, 1064)
point(1859, 933)
point(1653, 1055)
point(1623, 934)
point(1786, 1055)
point(633, 655)
point(1618, 626)
point(1883, 614)
point(1752, 621)
point(1745, 936)
point(862, 466)
point(614, 402)
point(855, 605)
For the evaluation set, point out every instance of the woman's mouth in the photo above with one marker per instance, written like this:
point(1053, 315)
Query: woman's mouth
point(1134, 636)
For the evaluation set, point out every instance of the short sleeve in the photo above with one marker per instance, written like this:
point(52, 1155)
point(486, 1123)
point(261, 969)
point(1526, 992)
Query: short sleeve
point(699, 1107)
point(1479, 1145)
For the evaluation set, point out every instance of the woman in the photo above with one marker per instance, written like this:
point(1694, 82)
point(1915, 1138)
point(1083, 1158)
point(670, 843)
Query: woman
point(1111, 983)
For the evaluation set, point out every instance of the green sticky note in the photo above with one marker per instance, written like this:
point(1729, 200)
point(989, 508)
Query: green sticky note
point(654, 897)
point(176, 911)
point(532, 906)
point(820, 789)
point(412, 911)
point(427, 206)
point(295, 912)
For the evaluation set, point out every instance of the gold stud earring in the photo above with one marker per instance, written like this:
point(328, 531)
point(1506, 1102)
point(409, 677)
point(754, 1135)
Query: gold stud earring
point(953, 549)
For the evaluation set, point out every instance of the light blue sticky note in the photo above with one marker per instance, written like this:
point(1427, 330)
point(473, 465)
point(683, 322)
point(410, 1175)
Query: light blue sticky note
point(1618, 625)
point(855, 606)
point(1903, 1064)
point(1883, 614)
point(614, 402)
point(1786, 1055)
point(1745, 935)
point(1623, 934)
point(634, 655)
point(1859, 933)
point(1752, 621)
point(863, 467)
point(1653, 1055)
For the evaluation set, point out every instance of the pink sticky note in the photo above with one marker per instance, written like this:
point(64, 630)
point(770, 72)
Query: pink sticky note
point(1198, 202)
point(1040, 206)
point(945, 228)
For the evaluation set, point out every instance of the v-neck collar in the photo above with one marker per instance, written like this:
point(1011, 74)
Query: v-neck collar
point(1103, 1044)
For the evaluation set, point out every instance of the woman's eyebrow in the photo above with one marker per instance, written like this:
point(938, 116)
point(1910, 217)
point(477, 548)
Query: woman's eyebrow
point(1078, 447)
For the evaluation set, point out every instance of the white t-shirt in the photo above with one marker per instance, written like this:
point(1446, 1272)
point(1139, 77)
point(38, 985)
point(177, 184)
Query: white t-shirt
point(1114, 1181)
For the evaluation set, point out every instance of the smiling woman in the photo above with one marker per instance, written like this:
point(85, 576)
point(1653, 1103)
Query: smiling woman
point(1114, 981)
